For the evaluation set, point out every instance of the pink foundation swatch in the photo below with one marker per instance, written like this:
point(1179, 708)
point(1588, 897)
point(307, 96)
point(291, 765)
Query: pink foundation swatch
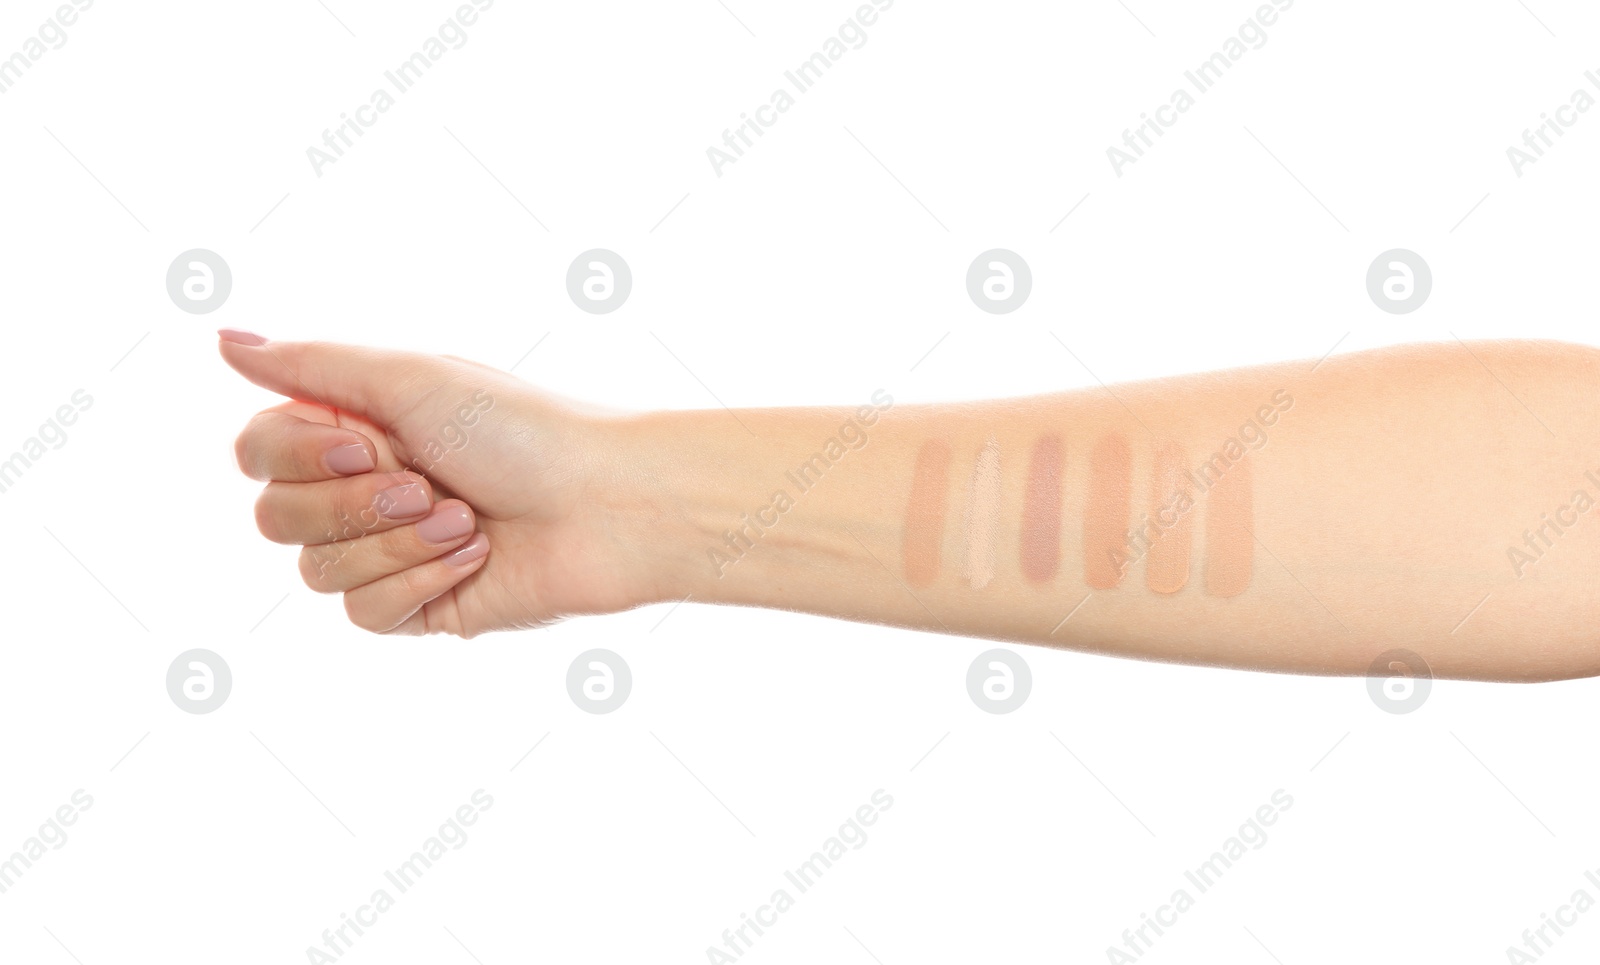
point(1106, 512)
point(924, 532)
point(1166, 564)
point(1041, 511)
point(1230, 515)
point(983, 516)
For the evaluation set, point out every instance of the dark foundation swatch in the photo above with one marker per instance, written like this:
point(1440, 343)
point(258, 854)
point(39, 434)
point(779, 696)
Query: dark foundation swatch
point(1041, 511)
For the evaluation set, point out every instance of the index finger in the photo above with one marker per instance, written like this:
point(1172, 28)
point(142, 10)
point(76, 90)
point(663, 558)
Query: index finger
point(280, 445)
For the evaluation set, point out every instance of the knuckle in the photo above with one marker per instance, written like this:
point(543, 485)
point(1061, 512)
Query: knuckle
point(244, 449)
point(355, 614)
point(316, 569)
point(267, 522)
point(406, 584)
point(344, 525)
point(361, 616)
point(399, 550)
point(241, 454)
point(255, 444)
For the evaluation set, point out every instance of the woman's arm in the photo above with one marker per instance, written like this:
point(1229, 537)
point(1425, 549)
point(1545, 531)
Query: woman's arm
point(1277, 518)
point(1299, 517)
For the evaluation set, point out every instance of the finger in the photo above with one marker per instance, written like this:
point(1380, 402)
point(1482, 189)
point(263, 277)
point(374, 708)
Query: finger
point(287, 448)
point(336, 509)
point(347, 564)
point(375, 435)
point(382, 385)
point(392, 603)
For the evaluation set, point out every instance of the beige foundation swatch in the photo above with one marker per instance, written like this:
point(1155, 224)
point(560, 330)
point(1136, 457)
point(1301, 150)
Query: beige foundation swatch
point(1230, 515)
point(983, 516)
point(924, 532)
point(1166, 564)
point(1041, 511)
point(1106, 512)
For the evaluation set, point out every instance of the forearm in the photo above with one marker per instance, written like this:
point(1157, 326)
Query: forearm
point(1308, 520)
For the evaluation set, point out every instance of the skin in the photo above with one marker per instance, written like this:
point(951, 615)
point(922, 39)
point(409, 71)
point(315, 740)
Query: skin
point(1386, 498)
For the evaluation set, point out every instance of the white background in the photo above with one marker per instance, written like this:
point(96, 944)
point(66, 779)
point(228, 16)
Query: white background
point(805, 274)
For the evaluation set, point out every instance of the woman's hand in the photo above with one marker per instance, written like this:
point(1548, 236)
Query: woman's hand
point(438, 495)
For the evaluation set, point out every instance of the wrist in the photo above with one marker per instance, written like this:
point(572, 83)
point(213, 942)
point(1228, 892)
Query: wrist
point(745, 507)
point(653, 487)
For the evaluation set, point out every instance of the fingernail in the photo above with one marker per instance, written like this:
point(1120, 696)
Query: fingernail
point(445, 524)
point(350, 460)
point(400, 502)
point(473, 551)
point(241, 336)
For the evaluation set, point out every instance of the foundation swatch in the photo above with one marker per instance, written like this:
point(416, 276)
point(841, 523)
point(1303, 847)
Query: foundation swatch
point(1106, 512)
point(1166, 564)
point(1041, 511)
point(983, 516)
point(924, 531)
point(1230, 515)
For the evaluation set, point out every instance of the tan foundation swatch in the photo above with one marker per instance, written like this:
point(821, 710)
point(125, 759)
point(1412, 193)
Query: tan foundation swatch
point(1166, 564)
point(1230, 515)
point(1106, 512)
point(924, 531)
point(1041, 511)
point(983, 516)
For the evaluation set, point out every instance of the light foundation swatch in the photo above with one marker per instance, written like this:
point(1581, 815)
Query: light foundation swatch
point(1040, 550)
point(1230, 547)
point(1166, 564)
point(983, 517)
point(924, 531)
point(1106, 511)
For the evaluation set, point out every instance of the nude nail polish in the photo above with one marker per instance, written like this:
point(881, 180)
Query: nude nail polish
point(445, 524)
point(470, 553)
point(241, 336)
point(402, 502)
point(351, 460)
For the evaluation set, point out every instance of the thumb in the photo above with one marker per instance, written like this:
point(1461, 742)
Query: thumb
point(384, 386)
